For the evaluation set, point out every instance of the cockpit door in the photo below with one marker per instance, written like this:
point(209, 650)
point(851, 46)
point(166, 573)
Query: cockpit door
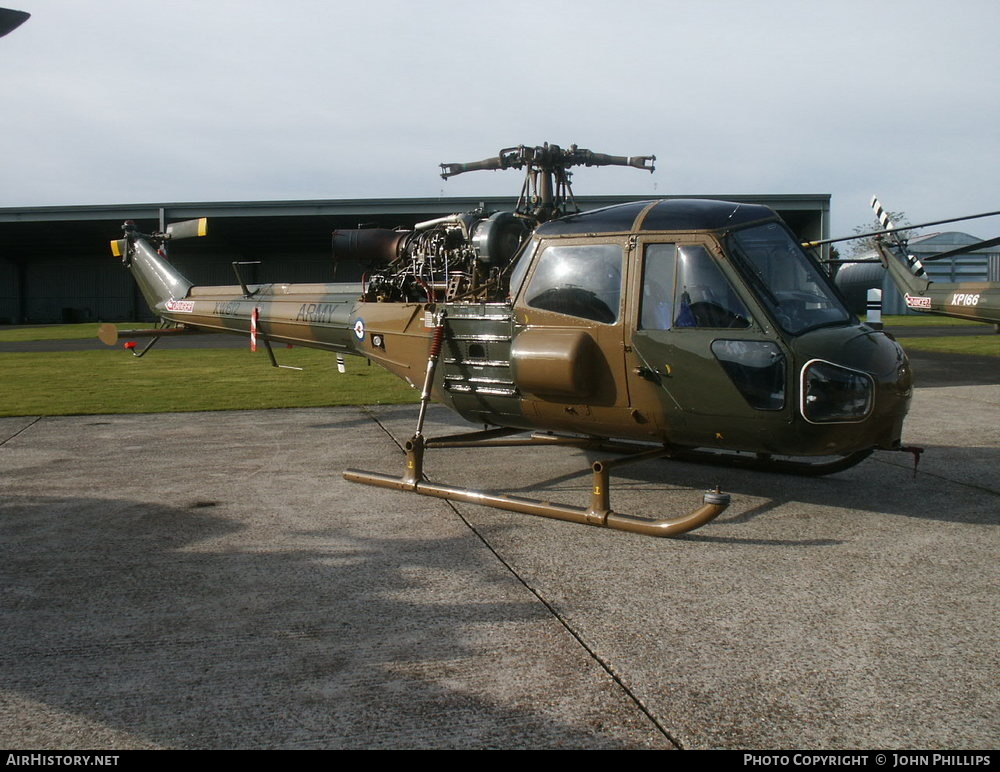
point(695, 349)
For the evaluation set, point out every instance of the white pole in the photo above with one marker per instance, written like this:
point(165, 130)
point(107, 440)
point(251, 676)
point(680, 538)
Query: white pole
point(874, 309)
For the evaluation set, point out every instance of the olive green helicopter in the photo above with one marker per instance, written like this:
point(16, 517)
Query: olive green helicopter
point(978, 301)
point(678, 328)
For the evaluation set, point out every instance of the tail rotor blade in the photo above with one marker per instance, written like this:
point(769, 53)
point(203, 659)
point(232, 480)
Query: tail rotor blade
point(882, 215)
point(188, 229)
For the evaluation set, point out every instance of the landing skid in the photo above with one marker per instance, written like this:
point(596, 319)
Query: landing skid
point(765, 462)
point(598, 512)
point(761, 462)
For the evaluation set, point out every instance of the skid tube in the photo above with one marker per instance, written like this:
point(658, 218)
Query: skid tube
point(598, 513)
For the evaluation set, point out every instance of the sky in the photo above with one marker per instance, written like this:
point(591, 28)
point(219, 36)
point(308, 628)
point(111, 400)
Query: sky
point(118, 101)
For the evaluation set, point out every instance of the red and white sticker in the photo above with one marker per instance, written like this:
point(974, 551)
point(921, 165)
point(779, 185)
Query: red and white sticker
point(915, 301)
point(359, 329)
point(180, 306)
point(253, 328)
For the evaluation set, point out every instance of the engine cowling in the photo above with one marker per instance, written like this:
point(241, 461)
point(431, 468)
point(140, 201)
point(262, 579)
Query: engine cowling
point(438, 259)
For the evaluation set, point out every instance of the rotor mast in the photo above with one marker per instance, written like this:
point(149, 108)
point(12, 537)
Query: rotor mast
point(546, 192)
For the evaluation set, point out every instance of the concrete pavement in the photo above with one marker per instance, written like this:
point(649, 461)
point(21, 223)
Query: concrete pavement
point(210, 581)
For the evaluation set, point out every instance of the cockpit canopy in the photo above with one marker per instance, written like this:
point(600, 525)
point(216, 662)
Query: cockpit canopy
point(671, 214)
point(685, 281)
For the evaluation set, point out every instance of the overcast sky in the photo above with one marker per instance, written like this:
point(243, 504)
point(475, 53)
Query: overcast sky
point(119, 101)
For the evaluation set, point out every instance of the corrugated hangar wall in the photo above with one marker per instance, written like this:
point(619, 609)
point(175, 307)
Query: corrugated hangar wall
point(56, 266)
point(64, 271)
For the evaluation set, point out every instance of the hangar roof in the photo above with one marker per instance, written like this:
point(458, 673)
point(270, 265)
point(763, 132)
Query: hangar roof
point(364, 207)
point(31, 233)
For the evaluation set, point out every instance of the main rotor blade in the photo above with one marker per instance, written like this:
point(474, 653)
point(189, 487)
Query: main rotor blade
point(10, 20)
point(900, 228)
point(493, 164)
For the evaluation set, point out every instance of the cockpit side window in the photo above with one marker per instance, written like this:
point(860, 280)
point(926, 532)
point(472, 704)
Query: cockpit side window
point(657, 311)
point(703, 296)
point(519, 267)
point(582, 280)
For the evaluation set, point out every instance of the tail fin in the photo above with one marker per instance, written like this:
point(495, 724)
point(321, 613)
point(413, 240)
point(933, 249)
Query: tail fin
point(160, 283)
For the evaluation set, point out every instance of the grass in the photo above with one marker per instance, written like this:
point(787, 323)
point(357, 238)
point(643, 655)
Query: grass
point(111, 381)
point(96, 382)
point(59, 331)
point(929, 320)
point(979, 345)
point(987, 344)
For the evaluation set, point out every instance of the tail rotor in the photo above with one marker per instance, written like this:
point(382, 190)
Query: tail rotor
point(916, 268)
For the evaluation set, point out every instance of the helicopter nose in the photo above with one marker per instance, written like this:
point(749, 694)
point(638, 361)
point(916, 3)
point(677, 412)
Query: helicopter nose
point(852, 376)
point(860, 349)
point(880, 355)
point(835, 394)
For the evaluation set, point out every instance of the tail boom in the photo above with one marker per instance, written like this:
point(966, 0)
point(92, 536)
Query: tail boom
point(324, 316)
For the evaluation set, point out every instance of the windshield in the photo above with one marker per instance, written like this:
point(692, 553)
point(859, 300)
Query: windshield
point(787, 282)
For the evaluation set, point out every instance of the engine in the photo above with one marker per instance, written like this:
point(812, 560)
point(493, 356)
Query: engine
point(452, 257)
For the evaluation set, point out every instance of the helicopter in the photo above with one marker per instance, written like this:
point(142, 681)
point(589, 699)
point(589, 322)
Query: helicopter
point(10, 20)
point(974, 300)
point(672, 328)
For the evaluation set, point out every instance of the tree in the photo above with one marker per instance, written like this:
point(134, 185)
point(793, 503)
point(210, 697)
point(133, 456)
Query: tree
point(865, 245)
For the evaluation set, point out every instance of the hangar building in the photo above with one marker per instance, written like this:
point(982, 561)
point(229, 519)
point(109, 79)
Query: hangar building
point(56, 266)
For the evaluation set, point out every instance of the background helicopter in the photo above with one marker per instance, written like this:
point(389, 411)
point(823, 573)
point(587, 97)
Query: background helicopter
point(666, 328)
point(975, 300)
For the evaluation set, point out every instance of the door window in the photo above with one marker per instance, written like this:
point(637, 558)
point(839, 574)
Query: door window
point(684, 287)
